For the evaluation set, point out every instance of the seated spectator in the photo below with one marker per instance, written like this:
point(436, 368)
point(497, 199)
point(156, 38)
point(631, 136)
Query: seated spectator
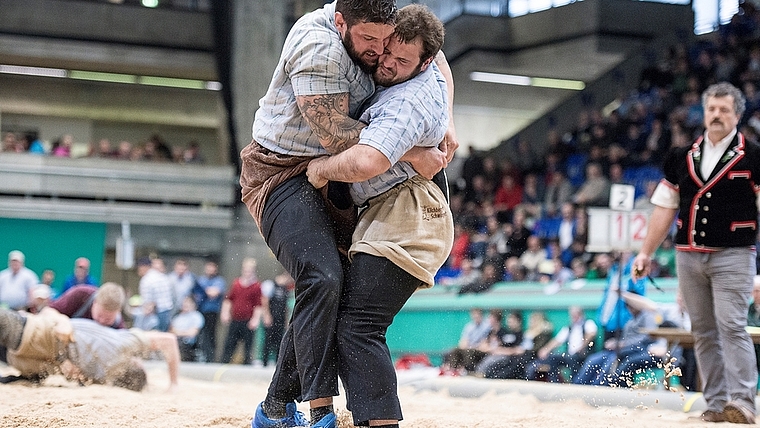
point(555, 275)
point(664, 260)
point(80, 276)
point(632, 344)
point(123, 150)
point(508, 196)
point(187, 324)
point(473, 334)
point(463, 360)
point(595, 190)
point(558, 191)
point(102, 304)
point(518, 239)
point(532, 257)
point(569, 348)
point(491, 274)
point(514, 271)
point(192, 154)
point(510, 363)
point(503, 341)
point(467, 274)
point(102, 150)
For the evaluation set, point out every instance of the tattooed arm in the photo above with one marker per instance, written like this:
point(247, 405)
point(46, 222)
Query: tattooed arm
point(328, 117)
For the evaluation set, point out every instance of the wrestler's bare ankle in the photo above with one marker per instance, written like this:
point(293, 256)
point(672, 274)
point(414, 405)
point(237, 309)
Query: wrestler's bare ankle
point(381, 422)
point(320, 402)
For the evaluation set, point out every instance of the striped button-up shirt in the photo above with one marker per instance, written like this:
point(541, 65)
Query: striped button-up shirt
point(313, 62)
point(413, 113)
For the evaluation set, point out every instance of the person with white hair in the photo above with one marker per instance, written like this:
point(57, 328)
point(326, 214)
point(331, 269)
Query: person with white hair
point(17, 283)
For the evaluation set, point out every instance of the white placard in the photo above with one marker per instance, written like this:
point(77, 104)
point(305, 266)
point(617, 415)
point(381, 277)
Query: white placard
point(610, 230)
point(621, 197)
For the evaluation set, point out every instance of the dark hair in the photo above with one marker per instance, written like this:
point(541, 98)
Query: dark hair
point(375, 11)
point(133, 378)
point(417, 20)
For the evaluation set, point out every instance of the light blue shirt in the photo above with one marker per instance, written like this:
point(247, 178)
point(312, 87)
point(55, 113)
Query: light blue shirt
point(413, 113)
point(313, 62)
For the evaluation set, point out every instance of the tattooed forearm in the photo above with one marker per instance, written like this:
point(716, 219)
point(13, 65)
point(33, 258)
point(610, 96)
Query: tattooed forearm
point(328, 117)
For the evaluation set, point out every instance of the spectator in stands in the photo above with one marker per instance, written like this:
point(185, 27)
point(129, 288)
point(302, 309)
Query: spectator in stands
point(81, 275)
point(532, 257)
point(558, 191)
point(124, 150)
point(474, 333)
point(62, 146)
point(17, 282)
point(241, 312)
point(36, 145)
point(102, 150)
point(595, 191)
point(633, 341)
point(156, 291)
point(209, 293)
point(186, 325)
point(490, 275)
point(569, 348)
point(9, 142)
point(467, 274)
point(503, 344)
point(274, 299)
point(183, 281)
point(464, 360)
point(508, 196)
point(192, 153)
point(143, 317)
point(102, 304)
point(48, 277)
point(518, 239)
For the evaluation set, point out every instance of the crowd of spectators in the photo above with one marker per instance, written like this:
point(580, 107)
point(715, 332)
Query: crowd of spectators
point(155, 148)
point(523, 217)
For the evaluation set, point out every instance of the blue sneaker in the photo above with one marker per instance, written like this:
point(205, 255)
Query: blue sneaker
point(329, 421)
point(293, 418)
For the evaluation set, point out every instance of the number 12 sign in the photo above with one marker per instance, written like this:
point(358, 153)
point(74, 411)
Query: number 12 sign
point(610, 230)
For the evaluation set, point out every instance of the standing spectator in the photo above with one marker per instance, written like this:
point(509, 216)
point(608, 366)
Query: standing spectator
point(40, 298)
point(577, 342)
point(710, 186)
point(209, 292)
point(156, 291)
point(182, 281)
point(241, 309)
point(80, 276)
point(17, 282)
point(102, 304)
point(187, 324)
point(274, 299)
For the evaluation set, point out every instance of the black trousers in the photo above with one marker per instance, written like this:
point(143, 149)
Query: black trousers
point(374, 292)
point(237, 332)
point(207, 336)
point(298, 230)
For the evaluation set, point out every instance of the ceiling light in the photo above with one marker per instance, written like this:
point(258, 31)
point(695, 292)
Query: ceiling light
point(32, 71)
point(539, 82)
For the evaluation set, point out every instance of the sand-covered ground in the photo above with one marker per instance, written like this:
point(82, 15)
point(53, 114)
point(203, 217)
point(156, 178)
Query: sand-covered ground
point(430, 403)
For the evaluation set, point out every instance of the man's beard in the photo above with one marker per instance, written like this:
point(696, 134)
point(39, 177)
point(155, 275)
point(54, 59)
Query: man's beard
point(348, 43)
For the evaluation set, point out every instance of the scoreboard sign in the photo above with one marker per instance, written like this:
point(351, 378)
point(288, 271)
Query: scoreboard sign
point(610, 230)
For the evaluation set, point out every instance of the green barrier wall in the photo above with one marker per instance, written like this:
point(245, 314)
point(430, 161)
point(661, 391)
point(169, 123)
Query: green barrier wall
point(432, 320)
point(53, 245)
